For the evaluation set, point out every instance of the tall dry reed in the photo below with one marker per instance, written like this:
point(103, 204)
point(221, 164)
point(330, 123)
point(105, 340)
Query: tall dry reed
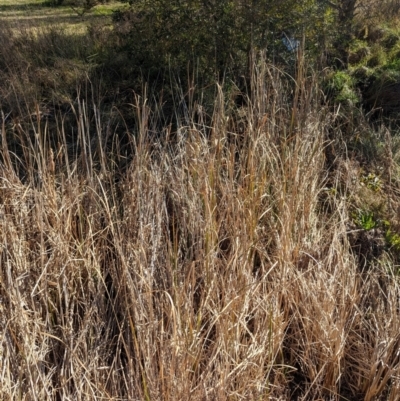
point(217, 266)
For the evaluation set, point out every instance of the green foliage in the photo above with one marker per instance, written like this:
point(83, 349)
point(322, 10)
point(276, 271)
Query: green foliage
point(340, 85)
point(213, 36)
point(378, 57)
point(393, 240)
point(374, 63)
point(365, 219)
point(358, 52)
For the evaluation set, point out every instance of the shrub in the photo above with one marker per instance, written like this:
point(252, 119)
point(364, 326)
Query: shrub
point(340, 86)
point(216, 38)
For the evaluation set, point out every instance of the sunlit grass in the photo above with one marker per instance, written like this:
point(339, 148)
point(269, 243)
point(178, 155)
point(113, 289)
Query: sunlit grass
point(211, 268)
point(214, 256)
point(36, 14)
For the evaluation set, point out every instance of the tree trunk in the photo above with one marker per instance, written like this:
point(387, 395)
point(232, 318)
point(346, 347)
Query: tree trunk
point(346, 14)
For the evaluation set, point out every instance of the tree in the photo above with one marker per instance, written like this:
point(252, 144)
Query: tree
point(216, 35)
point(346, 14)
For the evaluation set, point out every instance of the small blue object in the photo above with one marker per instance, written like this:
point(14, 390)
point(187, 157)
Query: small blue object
point(291, 44)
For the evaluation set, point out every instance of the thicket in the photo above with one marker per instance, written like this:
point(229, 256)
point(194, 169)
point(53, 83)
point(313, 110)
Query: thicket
point(213, 40)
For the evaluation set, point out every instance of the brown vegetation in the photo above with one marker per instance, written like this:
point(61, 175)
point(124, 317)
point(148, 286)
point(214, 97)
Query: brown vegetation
point(154, 248)
point(217, 267)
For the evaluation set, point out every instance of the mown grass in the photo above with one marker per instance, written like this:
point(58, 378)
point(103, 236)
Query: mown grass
point(213, 255)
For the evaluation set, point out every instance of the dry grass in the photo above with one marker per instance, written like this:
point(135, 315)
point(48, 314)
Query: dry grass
point(217, 267)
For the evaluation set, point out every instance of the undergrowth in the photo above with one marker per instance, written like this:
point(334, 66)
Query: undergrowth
point(213, 265)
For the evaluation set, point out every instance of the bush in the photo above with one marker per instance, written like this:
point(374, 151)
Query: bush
point(216, 38)
point(340, 86)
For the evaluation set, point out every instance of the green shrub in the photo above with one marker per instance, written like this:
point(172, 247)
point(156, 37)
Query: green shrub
point(215, 38)
point(340, 86)
point(378, 57)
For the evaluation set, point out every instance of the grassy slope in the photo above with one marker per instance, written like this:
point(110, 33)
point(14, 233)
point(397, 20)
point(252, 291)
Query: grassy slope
point(222, 263)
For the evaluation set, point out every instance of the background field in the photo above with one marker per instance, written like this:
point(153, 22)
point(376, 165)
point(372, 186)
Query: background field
point(38, 14)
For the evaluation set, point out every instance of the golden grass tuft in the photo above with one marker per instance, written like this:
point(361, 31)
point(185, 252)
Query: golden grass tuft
point(212, 269)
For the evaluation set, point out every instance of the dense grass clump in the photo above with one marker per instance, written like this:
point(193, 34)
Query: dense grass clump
point(217, 266)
